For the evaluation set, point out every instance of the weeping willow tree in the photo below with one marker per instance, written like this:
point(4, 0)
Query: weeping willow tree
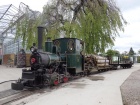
point(97, 22)
point(26, 29)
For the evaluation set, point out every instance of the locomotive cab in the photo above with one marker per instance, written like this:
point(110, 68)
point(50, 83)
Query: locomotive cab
point(71, 51)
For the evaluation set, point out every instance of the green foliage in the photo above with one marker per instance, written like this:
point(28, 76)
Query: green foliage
point(27, 30)
point(111, 52)
point(131, 51)
point(138, 59)
point(97, 23)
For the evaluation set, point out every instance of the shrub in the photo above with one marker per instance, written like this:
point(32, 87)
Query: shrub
point(138, 59)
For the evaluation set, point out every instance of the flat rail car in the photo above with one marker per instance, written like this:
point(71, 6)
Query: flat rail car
point(122, 61)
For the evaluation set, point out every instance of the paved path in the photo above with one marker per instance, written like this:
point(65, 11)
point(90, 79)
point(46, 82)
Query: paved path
point(8, 73)
point(87, 91)
point(99, 89)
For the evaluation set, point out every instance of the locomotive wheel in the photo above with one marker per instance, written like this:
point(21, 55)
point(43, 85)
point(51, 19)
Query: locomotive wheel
point(65, 79)
point(56, 82)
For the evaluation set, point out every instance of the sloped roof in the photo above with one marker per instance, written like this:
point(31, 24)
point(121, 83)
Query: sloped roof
point(9, 16)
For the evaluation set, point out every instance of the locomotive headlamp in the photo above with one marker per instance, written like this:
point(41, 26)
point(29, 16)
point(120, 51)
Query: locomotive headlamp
point(32, 49)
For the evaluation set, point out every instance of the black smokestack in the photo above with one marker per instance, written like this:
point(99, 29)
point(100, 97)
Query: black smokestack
point(40, 37)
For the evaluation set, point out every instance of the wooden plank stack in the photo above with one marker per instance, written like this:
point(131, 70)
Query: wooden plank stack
point(9, 59)
point(98, 61)
point(28, 60)
point(101, 61)
point(21, 58)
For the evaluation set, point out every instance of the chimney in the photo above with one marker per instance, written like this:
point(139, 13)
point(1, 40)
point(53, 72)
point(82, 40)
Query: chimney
point(40, 37)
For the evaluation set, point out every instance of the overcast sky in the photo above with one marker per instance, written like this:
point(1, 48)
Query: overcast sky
point(130, 38)
point(130, 10)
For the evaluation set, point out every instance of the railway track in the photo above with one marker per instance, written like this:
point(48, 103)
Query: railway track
point(7, 93)
point(15, 97)
point(10, 96)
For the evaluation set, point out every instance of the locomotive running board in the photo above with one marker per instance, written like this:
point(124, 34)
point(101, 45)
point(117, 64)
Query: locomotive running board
point(17, 86)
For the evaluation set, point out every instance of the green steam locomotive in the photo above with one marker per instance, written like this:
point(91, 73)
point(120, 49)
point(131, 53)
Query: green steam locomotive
point(62, 59)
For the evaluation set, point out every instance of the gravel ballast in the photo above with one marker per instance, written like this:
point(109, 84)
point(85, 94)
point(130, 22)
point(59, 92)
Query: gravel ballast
point(130, 89)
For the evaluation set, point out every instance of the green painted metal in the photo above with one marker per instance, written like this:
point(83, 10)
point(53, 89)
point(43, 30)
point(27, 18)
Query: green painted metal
point(63, 57)
point(69, 45)
point(70, 50)
point(53, 58)
point(48, 46)
point(63, 45)
point(74, 61)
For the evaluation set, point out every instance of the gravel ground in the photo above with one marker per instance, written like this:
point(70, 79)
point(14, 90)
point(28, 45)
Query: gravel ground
point(130, 89)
